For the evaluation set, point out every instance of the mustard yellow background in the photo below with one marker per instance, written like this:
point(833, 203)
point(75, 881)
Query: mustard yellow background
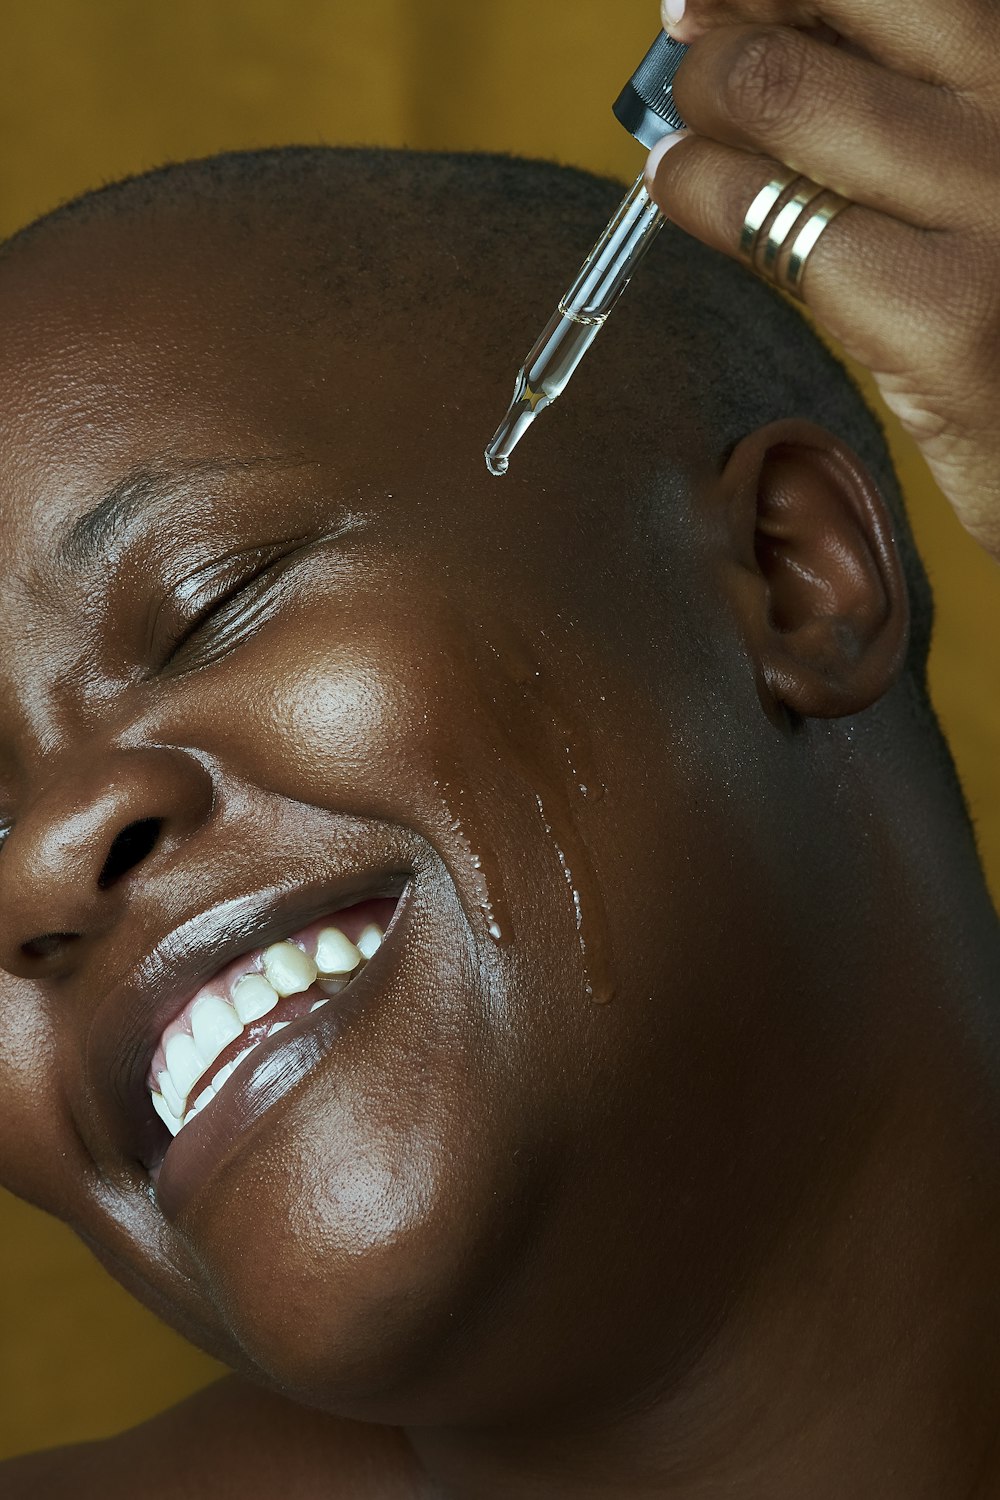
point(92, 89)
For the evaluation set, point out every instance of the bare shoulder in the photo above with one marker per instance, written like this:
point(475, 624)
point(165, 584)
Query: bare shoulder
point(234, 1442)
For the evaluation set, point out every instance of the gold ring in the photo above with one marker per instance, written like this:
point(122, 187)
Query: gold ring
point(808, 238)
point(785, 223)
point(760, 208)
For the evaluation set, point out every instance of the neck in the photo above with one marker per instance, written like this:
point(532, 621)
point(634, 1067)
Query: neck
point(861, 1358)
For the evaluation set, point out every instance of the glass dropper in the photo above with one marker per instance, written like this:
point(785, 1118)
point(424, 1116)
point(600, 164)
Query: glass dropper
point(645, 106)
point(577, 320)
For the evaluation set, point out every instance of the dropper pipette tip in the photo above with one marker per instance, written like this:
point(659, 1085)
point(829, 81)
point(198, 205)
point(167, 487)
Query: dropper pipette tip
point(517, 419)
point(496, 463)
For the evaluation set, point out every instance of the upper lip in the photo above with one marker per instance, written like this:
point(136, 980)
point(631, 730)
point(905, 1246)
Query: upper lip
point(133, 1016)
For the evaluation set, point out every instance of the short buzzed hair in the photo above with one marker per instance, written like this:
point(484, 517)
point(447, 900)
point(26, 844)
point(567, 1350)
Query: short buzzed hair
point(360, 212)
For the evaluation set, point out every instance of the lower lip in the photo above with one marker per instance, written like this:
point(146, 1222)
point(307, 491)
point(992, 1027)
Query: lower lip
point(276, 1068)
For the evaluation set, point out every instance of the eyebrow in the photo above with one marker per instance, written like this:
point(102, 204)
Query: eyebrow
point(143, 489)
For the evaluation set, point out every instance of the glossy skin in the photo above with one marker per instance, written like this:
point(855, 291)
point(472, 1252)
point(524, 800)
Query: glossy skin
point(551, 1238)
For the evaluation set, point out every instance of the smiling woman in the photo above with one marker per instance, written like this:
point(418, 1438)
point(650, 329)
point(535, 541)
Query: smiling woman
point(333, 785)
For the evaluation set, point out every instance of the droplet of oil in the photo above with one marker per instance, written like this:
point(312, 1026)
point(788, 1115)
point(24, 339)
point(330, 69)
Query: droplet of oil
point(545, 744)
point(597, 985)
point(489, 892)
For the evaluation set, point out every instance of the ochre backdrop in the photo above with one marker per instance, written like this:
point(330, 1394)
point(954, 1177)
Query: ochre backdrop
point(92, 89)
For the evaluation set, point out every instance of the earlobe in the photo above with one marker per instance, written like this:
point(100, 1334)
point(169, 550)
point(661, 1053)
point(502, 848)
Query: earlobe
point(818, 580)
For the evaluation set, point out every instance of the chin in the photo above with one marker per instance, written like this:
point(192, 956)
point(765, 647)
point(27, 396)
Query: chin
point(346, 1253)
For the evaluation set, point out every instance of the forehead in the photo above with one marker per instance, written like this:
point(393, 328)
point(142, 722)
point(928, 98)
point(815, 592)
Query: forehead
point(125, 353)
point(113, 335)
point(128, 341)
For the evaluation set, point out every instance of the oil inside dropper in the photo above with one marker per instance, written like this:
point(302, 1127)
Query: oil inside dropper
point(577, 320)
point(544, 375)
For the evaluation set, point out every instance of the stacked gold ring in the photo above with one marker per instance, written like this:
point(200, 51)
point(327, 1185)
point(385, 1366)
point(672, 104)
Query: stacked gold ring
point(800, 221)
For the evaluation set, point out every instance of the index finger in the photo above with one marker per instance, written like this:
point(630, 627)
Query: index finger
point(950, 42)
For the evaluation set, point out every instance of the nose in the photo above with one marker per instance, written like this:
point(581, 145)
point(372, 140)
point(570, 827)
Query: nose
point(83, 849)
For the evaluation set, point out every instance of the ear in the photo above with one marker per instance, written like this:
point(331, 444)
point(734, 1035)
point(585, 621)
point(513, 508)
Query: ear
point(814, 571)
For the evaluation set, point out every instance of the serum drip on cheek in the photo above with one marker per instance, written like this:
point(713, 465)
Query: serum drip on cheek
point(488, 890)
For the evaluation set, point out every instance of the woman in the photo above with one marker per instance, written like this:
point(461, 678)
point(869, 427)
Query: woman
point(652, 1151)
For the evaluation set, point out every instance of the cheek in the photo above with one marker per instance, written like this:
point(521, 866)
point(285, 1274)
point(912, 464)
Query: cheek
point(338, 722)
point(343, 701)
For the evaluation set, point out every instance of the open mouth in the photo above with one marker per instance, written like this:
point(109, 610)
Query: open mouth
point(254, 997)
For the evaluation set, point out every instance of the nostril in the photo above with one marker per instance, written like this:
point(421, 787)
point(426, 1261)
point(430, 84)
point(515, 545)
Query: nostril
point(48, 944)
point(129, 849)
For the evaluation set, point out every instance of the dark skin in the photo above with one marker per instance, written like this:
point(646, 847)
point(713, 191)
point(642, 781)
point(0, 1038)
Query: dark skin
point(733, 1231)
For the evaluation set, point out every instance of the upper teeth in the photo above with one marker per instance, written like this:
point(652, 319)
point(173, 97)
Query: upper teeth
point(215, 1023)
point(289, 971)
point(369, 940)
point(335, 953)
point(185, 1063)
point(253, 997)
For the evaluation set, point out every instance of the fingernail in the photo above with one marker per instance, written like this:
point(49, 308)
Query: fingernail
point(659, 151)
point(673, 11)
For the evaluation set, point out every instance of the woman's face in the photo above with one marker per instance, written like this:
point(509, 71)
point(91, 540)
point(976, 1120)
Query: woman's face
point(311, 656)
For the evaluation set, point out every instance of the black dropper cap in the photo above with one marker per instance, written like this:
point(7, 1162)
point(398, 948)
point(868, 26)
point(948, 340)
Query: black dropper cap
point(645, 105)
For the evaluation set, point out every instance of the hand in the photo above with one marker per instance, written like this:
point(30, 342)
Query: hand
point(895, 104)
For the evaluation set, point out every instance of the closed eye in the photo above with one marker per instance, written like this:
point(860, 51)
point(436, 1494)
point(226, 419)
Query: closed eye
point(228, 612)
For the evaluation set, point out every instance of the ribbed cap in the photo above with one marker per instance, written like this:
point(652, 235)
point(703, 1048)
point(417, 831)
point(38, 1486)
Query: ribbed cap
point(645, 105)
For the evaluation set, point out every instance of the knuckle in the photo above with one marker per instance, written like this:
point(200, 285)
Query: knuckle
point(763, 80)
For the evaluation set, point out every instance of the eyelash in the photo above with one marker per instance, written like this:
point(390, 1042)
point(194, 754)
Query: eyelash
point(197, 622)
